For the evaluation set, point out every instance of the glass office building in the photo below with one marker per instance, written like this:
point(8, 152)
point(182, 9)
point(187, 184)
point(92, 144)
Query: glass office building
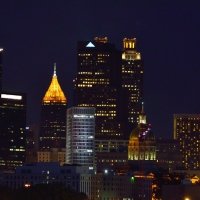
point(80, 136)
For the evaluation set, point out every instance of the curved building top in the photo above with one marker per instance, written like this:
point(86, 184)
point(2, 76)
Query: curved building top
point(143, 130)
point(54, 94)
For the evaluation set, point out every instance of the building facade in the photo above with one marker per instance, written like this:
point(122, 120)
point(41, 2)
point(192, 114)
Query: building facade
point(12, 130)
point(187, 131)
point(31, 174)
point(52, 155)
point(106, 80)
point(80, 136)
point(108, 185)
point(53, 116)
point(168, 154)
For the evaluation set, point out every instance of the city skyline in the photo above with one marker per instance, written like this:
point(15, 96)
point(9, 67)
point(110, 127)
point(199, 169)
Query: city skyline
point(36, 35)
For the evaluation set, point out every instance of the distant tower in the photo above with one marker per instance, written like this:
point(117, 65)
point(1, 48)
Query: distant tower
point(53, 116)
point(80, 136)
point(1, 50)
point(12, 130)
point(187, 131)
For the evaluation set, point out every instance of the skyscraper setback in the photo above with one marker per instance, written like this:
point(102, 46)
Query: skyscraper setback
point(112, 82)
point(53, 116)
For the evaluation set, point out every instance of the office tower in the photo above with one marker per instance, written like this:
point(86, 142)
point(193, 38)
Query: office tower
point(12, 130)
point(105, 81)
point(187, 131)
point(53, 116)
point(80, 136)
point(132, 78)
point(1, 50)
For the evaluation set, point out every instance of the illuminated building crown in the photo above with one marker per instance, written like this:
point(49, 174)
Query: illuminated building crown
point(54, 93)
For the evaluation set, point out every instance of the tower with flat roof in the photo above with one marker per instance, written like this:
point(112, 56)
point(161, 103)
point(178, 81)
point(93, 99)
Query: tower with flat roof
point(12, 130)
point(80, 136)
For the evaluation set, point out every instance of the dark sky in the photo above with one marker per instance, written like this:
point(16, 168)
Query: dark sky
point(35, 34)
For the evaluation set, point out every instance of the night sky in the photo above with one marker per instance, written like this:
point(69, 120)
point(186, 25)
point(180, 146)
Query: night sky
point(35, 34)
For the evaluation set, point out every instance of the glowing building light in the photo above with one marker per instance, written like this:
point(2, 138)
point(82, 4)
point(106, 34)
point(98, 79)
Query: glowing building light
point(1, 49)
point(90, 45)
point(11, 96)
point(27, 185)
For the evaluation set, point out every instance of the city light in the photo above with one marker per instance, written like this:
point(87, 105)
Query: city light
point(11, 96)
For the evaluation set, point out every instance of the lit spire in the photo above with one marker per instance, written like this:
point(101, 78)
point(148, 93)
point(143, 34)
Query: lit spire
point(54, 94)
point(54, 73)
point(142, 116)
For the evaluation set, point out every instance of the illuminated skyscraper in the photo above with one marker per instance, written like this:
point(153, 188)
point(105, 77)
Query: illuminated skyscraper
point(187, 131)
point(114, 86)
point(53, 117)
point(80, 136)
point(12, 130)
point(1, 50)
point(132, 78)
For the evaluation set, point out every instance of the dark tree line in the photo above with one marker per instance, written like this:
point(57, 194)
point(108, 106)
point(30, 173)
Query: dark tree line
point(55, 191)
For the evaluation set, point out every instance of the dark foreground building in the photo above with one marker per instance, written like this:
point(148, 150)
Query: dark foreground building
point(53, 116)
point(12, 130)
point(111, 81)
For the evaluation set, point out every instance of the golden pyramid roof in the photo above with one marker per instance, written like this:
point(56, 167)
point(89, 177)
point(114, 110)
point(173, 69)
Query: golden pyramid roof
point(54, 94)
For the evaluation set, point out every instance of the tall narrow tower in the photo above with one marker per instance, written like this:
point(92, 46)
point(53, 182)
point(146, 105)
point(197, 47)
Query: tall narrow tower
point(132, 78)
point(53, 116)
point(1, 50)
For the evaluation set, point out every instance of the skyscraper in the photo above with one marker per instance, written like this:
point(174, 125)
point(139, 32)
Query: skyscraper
point(132, 78)
point(80, 136)
point(187, 131)
point(1, 50)
point(53, 116)
point(12, 130)
point(114, 86)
